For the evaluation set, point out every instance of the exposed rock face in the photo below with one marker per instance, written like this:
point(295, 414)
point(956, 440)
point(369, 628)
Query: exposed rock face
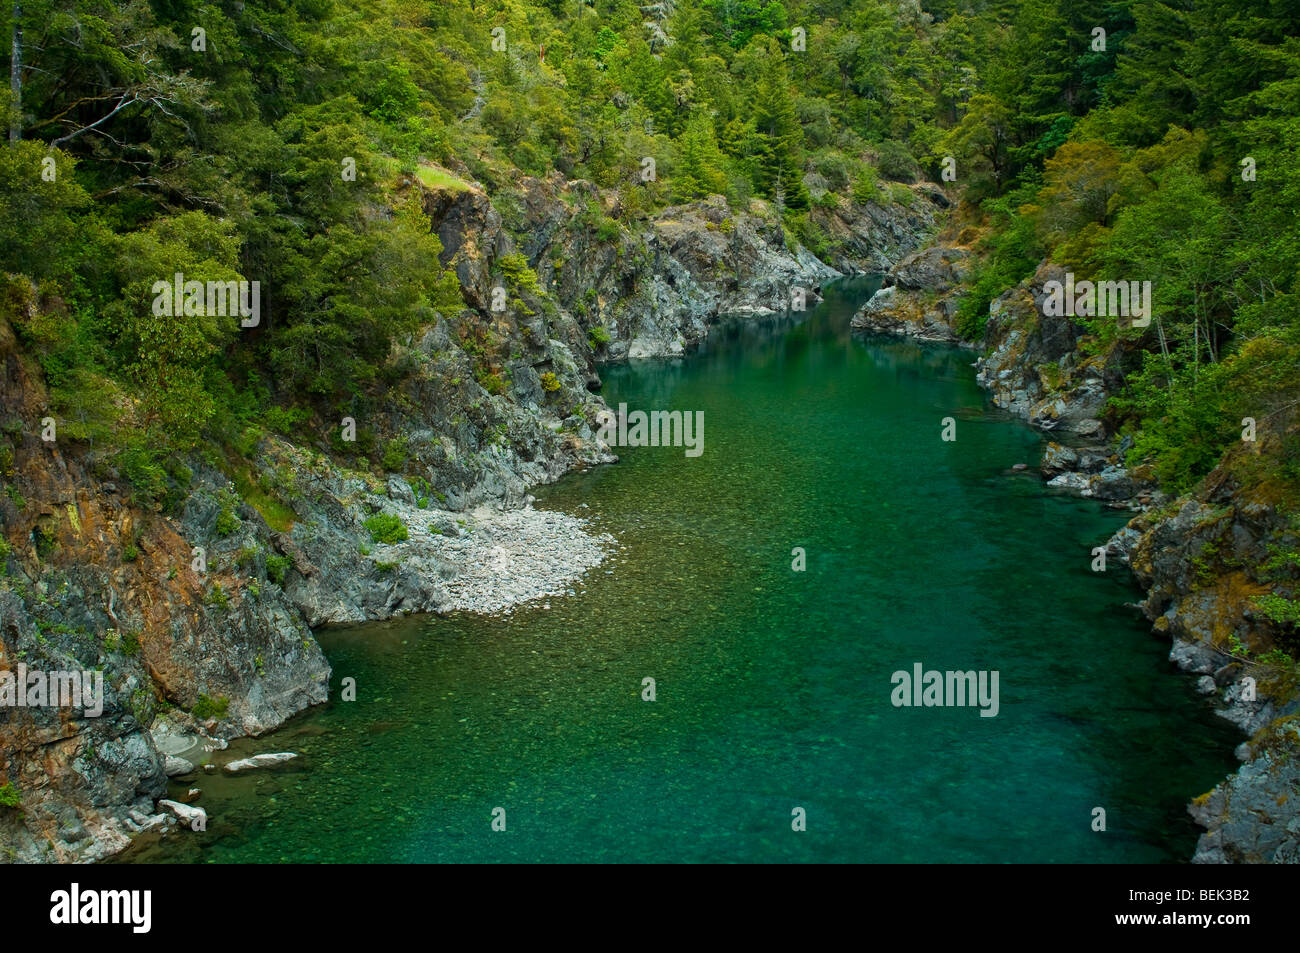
point(919, 297)
point(1204, 563)
point(1247, 816)
point(206, 606)
point(1033, 366)
point(91, 581)
point(654, 290)
point(893, 312)
point(875, 235)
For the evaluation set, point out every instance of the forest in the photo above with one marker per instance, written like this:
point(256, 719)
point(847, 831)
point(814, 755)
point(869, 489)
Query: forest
point(1125, 139)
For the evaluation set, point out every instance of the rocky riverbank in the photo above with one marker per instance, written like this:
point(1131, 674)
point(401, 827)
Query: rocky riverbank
point(198, 603)
point(1202, 559)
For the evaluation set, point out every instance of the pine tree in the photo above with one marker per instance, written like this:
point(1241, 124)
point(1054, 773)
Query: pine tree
point(699, 167)
point(779, 147)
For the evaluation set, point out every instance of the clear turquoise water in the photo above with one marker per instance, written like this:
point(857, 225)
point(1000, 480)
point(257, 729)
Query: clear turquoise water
point(773, 687)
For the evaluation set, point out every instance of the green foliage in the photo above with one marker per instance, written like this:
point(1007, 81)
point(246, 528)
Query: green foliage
point(395, 454)
point(518, 274)
point(1009, 254)
point(700, 163)
point(550, 383)
point(276, 567)
point(386, 528)
point(207, 708)
point(9, 796)
point(227, 167)
point(227, 519)
point(421, 489)
point(489, 380)
point(864, 184)
point(1280, 610)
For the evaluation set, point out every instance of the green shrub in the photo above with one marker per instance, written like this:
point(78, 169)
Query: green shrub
point(608, 230)
point(896, 162)
point(490, 380)
point(864, 184)
point(227, 520)
point(420, 488)
point(1280, 610)
point(276, 567)
point(9, 795)
point(285, 420)
point(550, 383)
point(386, 528)
point(597, 336)
point(217, 596)
point(901, 194)
point(515, 268)
point(395, 454)
point(207, 707)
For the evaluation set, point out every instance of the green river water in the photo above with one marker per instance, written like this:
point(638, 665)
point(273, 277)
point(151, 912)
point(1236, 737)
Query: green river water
point(772, 686)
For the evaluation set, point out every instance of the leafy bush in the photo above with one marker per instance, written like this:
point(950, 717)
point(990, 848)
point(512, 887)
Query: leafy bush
point(386, 528)
point(207, 707)
point(396, 452)
point(276, 567)
point(864, 185)
point(515, 268)
point(9, 795)
point(227, 520)
point(489, 380)
point(218, 597)
point(420, 488)
point(896, 162)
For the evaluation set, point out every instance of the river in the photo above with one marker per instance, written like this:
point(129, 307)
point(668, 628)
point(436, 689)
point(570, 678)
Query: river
point(772, 686)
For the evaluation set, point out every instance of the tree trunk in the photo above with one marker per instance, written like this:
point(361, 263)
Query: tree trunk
point(16, 76)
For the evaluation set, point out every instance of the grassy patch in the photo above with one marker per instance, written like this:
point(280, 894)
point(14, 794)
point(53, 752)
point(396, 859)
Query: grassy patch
point(278, 516)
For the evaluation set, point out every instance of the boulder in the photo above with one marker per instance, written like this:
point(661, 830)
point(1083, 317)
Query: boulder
point(260, 761)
